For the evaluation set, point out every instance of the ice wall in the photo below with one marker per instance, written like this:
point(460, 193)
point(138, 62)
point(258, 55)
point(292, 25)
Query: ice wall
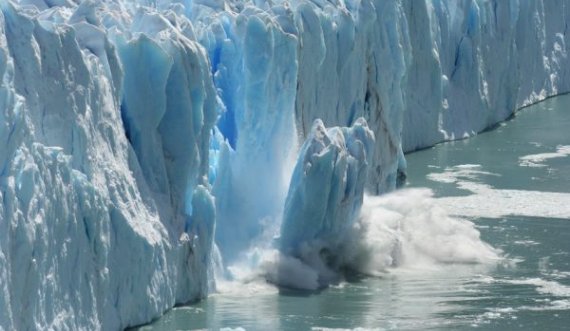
point(133, 132)
point(104, 133)
point(478, 62)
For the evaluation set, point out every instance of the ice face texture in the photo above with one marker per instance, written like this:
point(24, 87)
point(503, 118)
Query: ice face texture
point(105, 218)
point(134, 132)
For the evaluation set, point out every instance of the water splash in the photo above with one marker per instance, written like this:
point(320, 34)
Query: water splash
point(404, 230)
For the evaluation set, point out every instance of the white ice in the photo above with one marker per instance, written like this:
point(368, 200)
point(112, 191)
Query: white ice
point(484, 200)
point(538, 160)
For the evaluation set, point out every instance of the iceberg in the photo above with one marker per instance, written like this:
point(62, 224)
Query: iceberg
point(146, 143)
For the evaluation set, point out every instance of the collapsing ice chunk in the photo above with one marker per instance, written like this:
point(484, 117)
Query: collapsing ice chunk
point(325, 194)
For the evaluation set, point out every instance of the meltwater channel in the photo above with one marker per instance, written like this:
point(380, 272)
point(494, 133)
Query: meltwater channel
point(513, 182)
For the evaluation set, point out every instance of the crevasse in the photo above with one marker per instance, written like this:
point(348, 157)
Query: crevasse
point(140, 138)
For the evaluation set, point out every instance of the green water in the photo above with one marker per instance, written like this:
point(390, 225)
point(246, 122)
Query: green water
point(518, 202)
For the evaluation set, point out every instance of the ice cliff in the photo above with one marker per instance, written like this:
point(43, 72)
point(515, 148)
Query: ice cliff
point(135, 134)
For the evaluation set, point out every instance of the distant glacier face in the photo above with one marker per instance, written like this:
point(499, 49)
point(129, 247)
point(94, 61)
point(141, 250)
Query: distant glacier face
point(143, 143)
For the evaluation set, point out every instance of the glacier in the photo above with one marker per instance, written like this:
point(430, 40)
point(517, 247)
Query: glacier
point(145, 144)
